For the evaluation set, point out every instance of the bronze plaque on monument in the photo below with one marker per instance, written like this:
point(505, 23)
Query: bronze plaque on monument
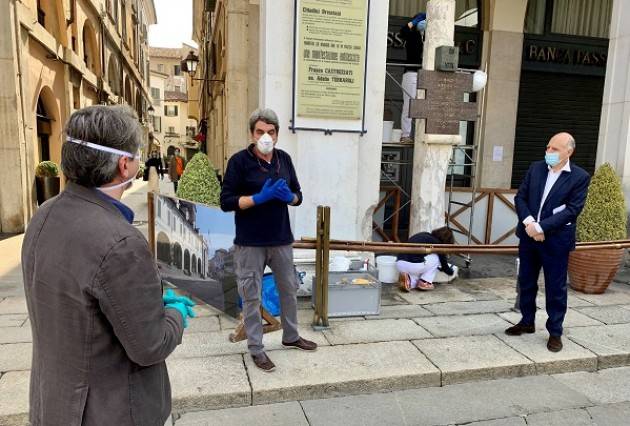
point(443, 107)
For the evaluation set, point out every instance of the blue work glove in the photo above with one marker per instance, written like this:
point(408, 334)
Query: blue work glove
point(266, 193)
point(171, 297)
point(185, 310)
point(283, 193)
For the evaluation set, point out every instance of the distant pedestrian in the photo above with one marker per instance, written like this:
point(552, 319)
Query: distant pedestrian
point(259, 183)
point(548, 203)
point(153, 161)
point(417, 271)
point(176, 167)
point(101, 327)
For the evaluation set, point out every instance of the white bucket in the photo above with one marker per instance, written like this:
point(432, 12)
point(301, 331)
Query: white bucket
point(339, 264)
point(388, 126)
point(387, 271)
point(396, 135)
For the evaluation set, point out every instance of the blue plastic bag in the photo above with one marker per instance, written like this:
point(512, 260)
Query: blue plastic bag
point(270, 296)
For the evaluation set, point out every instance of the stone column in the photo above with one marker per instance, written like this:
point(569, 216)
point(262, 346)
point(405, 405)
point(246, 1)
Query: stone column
point(614, 130)
point(503, 48)
point(432, 152)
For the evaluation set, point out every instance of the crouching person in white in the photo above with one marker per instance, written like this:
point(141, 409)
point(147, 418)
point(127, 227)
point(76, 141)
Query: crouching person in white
point(417, 271)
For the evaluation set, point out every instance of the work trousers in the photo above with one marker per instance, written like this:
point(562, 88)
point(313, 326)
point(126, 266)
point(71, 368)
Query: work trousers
point(250, 266)
point(425, 270)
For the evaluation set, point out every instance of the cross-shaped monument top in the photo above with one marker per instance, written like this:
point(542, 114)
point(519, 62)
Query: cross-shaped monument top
point(443, 106)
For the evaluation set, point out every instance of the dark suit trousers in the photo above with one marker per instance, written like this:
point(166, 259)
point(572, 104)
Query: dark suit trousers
point(554, 261)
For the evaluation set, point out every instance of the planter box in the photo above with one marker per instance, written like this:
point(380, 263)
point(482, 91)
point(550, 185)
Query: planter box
point(349, 300)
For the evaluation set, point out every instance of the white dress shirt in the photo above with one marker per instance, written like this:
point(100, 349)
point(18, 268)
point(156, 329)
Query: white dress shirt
point(552, 177)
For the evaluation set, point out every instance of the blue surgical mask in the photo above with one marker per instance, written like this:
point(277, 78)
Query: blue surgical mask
point(552, 159)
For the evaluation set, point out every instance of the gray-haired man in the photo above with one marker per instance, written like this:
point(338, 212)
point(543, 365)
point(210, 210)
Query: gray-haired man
point(260, 182)
point(100, 329)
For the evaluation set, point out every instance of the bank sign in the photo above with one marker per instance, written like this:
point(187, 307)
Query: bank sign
point(570, 56)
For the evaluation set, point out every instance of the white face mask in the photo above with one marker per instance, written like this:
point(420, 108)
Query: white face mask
point(265, 144)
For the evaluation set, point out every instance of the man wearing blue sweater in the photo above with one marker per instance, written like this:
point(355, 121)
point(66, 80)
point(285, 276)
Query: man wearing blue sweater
point(259, 183)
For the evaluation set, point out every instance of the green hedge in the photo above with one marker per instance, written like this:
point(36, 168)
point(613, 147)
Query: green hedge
point(47, 169)
point(199, 182)
point(604, 215)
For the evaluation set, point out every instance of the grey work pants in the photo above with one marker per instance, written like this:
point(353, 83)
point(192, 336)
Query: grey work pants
point(250, 265)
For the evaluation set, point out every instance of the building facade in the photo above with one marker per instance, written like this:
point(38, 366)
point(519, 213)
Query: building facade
point(552, 65)
point(56, 57)
point(178, 125)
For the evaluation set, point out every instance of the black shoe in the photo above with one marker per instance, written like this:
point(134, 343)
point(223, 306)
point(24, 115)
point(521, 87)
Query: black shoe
point(518, 329)
point(263, 362)
point(554, 344)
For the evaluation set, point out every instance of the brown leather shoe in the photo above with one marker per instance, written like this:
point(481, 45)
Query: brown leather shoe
point(554, 344)
point(263, 362)
point(303, 344)
point(518, 329)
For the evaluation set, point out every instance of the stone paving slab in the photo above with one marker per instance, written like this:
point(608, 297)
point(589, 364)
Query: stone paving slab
point(14, 398)
point(573, 357)
point(341, 370)
point(475, 307)
point(470, 358)
point(441, 294)
point(602, 387)
point(207, 383)
point(454, 404)
point(15, 335)
point(401, 311)
point(203, 324)
point(607, 314)
point(611, 343)
point(616, 294)
point(574, 417)
point(509, 421)
point(15, 356)
point(217, 343)
point(13, 305)
point(282, 414)
point(611, 415)
point(463, 325)
point(573, 318)
point(386, 330)
point(12, 320)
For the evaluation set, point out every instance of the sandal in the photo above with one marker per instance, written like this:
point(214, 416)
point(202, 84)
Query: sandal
point(424, 286)
point(404, 282)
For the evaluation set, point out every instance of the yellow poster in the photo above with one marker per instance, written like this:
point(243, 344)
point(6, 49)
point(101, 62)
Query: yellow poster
point(331, 50)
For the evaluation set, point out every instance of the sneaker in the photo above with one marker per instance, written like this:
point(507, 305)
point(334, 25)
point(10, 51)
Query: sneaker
point(518, 329)
point(263, 362)
point(303, 344)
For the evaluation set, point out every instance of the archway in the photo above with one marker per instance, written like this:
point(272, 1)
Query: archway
point(139, 104)
point(199, 270)
point(90, 48)
point(177, 256)
point(194, 264)
point(164, 248)
point(113, 74)
point(48, 126)
point(187, 261)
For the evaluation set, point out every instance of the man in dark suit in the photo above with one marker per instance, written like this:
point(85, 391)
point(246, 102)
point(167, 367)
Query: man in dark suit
point(548, 203)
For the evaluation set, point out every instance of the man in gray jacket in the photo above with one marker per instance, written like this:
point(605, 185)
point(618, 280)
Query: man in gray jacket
point(101, 330)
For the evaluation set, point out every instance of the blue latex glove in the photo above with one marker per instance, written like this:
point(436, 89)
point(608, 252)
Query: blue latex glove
point(419, 17)
point(283, 193)
point(185, 310)
point(266, 193)
point(171, 297)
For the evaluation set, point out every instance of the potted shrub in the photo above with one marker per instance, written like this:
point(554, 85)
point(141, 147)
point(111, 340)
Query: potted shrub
point(603, 219)
point(46, 181)
point(199, 182)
